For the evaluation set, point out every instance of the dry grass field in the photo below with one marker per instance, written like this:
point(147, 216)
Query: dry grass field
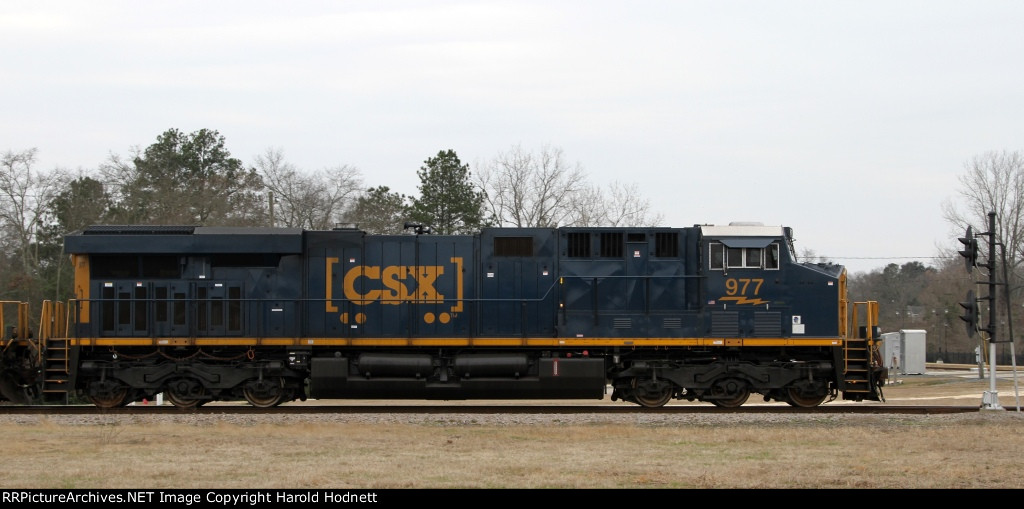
point(458, 450)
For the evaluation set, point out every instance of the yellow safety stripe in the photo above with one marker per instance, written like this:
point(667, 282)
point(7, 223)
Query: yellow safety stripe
point(463, 342)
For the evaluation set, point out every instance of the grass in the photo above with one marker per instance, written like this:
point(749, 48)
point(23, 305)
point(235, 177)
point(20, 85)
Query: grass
point(962, 451)
point(677, 451)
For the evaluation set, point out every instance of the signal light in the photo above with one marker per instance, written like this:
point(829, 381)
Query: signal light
point(970, 251)
point(970, 313)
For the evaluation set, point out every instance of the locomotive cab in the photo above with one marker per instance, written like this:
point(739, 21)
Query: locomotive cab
point(756, 288)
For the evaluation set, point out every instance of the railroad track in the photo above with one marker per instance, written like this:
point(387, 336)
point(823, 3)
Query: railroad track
point(477, 409)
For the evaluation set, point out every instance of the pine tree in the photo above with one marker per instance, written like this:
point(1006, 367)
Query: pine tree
point(449, 203)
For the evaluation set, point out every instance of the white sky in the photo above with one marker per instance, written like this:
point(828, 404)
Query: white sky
point(846, 120)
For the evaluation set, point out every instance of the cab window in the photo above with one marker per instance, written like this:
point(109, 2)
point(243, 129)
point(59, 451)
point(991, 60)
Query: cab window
point(771, 256)
point(725, 257)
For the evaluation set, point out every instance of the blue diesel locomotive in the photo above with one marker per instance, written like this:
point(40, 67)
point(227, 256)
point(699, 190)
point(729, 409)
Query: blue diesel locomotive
point(269, 315)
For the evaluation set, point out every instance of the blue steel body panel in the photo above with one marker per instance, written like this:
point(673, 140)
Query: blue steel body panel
point(565, 282)
point(393, 286)
point(633, 294)
point(518, 294)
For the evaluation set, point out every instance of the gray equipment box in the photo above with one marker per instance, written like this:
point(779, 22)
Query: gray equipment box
point(903, 352)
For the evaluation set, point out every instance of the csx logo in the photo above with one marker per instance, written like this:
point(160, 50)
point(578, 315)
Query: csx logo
point(393, 285)
point(392, 282)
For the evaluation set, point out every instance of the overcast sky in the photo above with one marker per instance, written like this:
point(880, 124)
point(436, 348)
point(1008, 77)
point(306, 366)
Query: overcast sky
point(849, 121)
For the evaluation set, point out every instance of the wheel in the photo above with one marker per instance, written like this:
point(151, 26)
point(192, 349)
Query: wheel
point(655, 400)
point(13, 392)
point(20, 377)
point(734, 402)
point(264, 394)
point(107, 395)
point(651, 394)
point(185, 393)
point(795, 397)
point(181, 401)
point(729, 393)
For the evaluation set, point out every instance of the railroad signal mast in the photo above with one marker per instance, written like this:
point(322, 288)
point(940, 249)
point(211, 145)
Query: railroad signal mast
point(990, 399)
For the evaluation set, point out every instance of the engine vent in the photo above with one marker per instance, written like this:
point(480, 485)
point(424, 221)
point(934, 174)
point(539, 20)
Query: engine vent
point(725, 323)
point(767, 324)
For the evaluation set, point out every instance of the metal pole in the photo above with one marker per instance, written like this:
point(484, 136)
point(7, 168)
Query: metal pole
point(1009, 325)
point(1016, 389)
point(979, 354)
point(990, 400)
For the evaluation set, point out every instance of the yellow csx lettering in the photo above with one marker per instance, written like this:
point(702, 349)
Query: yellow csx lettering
point(391, 284)
point(392, 279)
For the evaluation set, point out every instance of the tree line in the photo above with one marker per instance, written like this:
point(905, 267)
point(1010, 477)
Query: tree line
point(192, 179)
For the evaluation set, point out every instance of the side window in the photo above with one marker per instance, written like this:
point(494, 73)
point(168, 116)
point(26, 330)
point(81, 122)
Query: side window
point(717, 256)
point(753, 258)
point(771, 256)
point(734, 257)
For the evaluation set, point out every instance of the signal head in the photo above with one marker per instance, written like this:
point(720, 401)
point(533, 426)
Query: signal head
point(970, 313)
point(970, 251)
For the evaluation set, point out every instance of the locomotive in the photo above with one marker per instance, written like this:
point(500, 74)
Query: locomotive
point(709, 313)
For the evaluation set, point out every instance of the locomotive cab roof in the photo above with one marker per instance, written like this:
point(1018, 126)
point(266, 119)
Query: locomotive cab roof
point(743, 230)
point(745, 235)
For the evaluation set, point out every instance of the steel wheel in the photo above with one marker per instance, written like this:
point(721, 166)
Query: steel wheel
point(109, 397)
point(12, 391)
point(734, 402)
point(730, 393)
point(264, 394)
point(185, 393)
point(795, 397)
point(180, 401)
point(651, 394)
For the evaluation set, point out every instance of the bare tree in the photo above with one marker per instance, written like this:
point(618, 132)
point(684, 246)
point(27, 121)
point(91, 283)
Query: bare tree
point(626, 207)
point(314, 200)
point(530, 189)
point(808, 255)
point(118, 176)
point(543, 190)
point(994, 182)
point(26, 193)
point(81, 201)
point(620, 205)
